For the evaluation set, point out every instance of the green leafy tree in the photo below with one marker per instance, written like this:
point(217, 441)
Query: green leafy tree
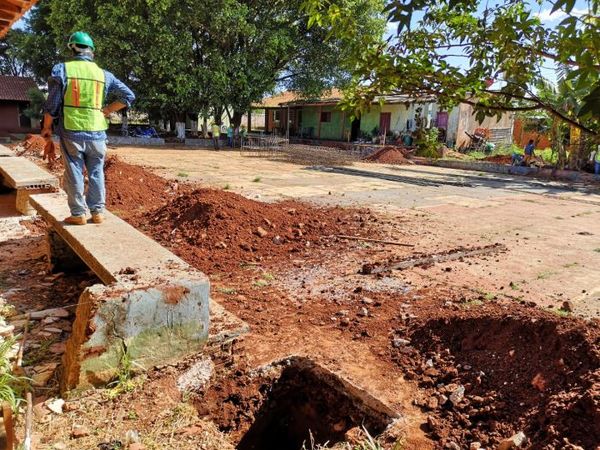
point(30, 51)
point(219, 55)
point(490, 56)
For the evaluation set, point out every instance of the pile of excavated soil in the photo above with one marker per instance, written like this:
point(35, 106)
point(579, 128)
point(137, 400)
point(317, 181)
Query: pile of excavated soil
point(219, 230)
point(132, 188)
point(490, 373)
point(388, 155)
point(499, 159)
point(32, 145)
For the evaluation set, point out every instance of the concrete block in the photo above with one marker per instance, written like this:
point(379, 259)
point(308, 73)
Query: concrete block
point(61, 257)
point(126, 140)
point(150, 324)
point(22, 201)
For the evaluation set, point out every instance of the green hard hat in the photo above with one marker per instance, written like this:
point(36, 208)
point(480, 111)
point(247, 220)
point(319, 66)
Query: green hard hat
point(81, 38)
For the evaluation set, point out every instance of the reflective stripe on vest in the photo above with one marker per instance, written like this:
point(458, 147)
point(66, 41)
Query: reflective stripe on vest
point(84, 97)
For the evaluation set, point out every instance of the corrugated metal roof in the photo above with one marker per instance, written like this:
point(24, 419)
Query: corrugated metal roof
point(15, 88)
point(290, 97)
point(11, 11)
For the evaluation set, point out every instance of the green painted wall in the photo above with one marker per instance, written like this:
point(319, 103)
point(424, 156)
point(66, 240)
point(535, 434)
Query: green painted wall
point(399, 114)
point(329, 130)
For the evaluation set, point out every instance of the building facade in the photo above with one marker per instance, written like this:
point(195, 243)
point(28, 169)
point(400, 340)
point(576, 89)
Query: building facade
point(392, 115)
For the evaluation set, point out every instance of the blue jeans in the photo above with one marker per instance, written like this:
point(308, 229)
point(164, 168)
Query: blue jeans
point(597, 168)
point(77, 155)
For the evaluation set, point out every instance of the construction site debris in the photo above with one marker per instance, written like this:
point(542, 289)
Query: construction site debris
point(218, 230)
point(451, 255)
point(379, 241)
point(390, 155)
point(131, 189)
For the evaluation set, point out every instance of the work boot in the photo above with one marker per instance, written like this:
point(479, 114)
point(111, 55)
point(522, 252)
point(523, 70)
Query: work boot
point(97, 217)
point(76, 220)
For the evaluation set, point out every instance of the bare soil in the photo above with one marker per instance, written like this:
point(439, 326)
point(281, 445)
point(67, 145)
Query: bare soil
point(389, 155)
point(458, 366)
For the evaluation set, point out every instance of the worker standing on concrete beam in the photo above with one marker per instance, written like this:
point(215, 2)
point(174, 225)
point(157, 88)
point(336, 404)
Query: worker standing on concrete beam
point(77, 91)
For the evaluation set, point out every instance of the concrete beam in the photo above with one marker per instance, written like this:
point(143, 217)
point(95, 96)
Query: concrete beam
point(18, 172)
point(148, 325)
point(153, 309)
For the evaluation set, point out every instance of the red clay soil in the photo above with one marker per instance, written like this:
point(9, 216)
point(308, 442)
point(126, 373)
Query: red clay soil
point(219, 230)
point(499, 159)
point(388, 155)
point(130, 188)
point(522, 370)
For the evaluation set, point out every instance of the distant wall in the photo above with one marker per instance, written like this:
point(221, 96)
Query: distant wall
point(9, 116)
point(468, 122)
point(521, 137)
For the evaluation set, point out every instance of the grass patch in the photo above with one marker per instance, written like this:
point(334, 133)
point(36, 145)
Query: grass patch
point(545, 274)
point(514, 286)
point(597, 250)
point(570, 265)
point(183, 174)
point(559, 312)
point(124, 381)
point(226, 187)
point(39, 354)
point(257, 180)
point(471, 303)
point(489, 296)
point(227, 291)
point(12, 387)
point(260, 283)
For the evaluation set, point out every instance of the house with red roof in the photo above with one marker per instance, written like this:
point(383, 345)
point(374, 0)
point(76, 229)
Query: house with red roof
point(13, 102)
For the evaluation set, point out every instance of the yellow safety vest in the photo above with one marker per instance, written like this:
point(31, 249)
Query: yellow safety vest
point(84, 97)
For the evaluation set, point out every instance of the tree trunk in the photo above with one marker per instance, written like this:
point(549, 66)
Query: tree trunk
point(218, 115)
point(558, 144)
point(236, 119)
point(124, 123)
point(205, 127)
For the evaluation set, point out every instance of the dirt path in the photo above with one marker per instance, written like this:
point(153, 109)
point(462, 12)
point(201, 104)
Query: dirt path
point(457, 358)
point(551, 230)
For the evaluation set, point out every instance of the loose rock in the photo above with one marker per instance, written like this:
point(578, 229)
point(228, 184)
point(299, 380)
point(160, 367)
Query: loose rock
point(516, 441)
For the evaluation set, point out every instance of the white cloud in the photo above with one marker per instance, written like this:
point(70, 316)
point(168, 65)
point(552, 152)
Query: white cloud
point(546, 16)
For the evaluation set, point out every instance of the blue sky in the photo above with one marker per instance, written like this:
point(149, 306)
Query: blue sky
point(542, 10)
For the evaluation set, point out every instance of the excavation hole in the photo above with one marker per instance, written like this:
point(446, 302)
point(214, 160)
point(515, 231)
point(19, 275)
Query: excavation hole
point(308, 400)
point(295, 399)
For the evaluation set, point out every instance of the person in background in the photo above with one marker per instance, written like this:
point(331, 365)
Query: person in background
point(230, 136)
point(77, 91)
point(529, 152)
point(243, 134)
point(216, 134)
point(595, 158)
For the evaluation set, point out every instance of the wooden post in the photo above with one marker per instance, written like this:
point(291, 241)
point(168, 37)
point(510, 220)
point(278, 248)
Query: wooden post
point(319, 123)
point(28, 423)
point(9, 426)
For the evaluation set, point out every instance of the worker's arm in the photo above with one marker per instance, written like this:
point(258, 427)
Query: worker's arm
point(47, 127)
point(113, 107)
point(118, 89)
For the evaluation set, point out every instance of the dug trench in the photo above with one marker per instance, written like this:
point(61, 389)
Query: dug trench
point(460, 370)
point(291, 404)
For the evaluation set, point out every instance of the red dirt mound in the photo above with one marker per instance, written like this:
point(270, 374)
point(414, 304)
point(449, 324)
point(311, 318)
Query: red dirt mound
point(499, 159)
point(531, 372)
point(132, 188)
point(388, 155)
point(218, 230)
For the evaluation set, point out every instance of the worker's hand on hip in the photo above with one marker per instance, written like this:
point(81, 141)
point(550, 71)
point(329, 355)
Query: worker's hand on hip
point(47, 134)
